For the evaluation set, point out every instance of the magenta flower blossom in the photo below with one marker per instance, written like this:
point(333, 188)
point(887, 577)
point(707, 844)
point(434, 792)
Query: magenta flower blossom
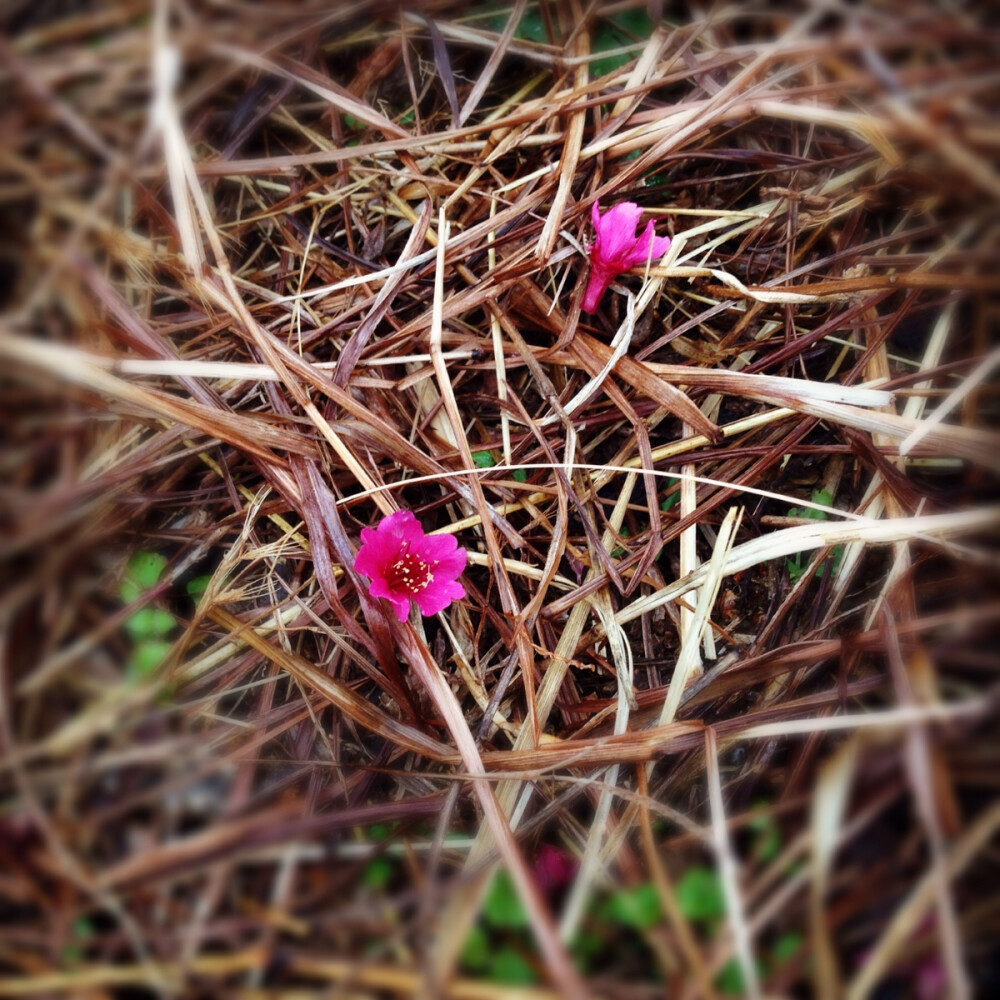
point(553, 867)
point(616, 248)
point(402, 563)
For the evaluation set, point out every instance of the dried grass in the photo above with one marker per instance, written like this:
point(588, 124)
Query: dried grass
point(272, 272)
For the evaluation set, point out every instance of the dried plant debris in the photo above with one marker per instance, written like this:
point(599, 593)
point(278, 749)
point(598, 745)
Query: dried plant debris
point(703, 699)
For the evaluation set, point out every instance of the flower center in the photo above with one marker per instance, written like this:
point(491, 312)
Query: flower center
point(409, 573)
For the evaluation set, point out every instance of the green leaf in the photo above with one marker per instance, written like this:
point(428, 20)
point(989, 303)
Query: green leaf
point(503, 907)
point(838, 556)
point(818, 496)
point(793, 564)
point(787, 947)
point(483, 459)
point(767, 837)
point(142, 573)
point(82, 931)
point(638, 908)
point(636, 22)
point(82, 928)
point(476, 950)
point(614, 34)
point(603, 41)
point(672, 499)
point(147, 655)
point(797, 564)
point(532, 27)
point(586, 943)
point(150, 623)
point(197, 586)
point(162, 624)
point(521, 475)
point(377, 873)
point(700, 895)
point(619, 552)
point(509, 967)
point(730, 979)
point(587, 947)
point(821, 497)
point(768, 846)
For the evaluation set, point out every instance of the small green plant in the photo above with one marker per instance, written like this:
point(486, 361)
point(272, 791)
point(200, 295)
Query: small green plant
point(476, 950)
point(148, 627)
point(700, 896)
point(619, 551)
point(498, 944)
point(531, 27)
point(377, 873)
point(766, 835)
point(787, 947)
point(702, 900)
point(797, 564)
point(503, 907)
point(637, 908)
point(674, 497)
point(510, 967)
point(380, 831)
point(487, 460)
point(614, 33)
point(196, 586)
point(352, 124)
point(82, 931)
point(730, 982)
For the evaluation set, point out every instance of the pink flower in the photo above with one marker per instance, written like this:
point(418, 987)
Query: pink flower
point(616, 248)
point(553, 867)
point(402, 562)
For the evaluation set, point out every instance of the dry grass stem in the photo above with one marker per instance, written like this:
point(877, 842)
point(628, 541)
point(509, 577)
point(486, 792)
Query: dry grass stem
point(717, 713)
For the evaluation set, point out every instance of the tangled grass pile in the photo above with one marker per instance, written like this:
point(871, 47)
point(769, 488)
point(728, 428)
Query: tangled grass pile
point(703, 701)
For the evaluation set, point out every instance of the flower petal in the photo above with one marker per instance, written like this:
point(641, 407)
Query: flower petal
point(661, 244)
point(401, 524)
point(616, 232)
point(437, 547)
point(375, 552)
point(648, 247)
point(453, 565)
point(438, 595)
